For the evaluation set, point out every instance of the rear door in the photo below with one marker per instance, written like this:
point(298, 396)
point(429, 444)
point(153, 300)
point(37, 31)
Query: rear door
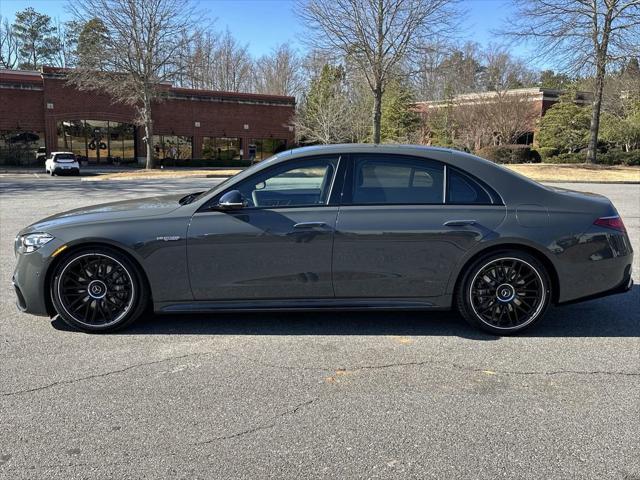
point(396, 237)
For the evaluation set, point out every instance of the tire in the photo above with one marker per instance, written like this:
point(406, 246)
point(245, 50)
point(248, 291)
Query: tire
point(52, 173)
point(98, 290)
point(504, 293)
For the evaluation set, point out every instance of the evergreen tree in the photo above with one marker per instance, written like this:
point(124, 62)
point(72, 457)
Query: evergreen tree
point(565, 126)
point(36, 34)
point(399, 120)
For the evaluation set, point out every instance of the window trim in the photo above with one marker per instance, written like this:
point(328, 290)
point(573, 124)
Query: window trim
point(348, 186)
point(336, 184)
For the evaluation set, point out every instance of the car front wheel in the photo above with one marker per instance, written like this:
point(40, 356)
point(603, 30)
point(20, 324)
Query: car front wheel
point(504, 293)
point(98, 290)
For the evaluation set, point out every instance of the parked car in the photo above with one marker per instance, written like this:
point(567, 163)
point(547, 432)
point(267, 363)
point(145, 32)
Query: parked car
point(62, 162)
point(41, 155)
point(332, 228)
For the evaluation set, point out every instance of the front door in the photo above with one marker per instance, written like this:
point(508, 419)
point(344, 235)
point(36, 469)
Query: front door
point(278, 247)
point(396, 237)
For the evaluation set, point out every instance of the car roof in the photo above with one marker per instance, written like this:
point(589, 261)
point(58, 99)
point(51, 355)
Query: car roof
point(397, 148)
point(59, 153)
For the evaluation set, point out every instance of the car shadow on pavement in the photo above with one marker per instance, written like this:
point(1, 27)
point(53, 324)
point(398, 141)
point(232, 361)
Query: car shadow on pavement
point(616, 316)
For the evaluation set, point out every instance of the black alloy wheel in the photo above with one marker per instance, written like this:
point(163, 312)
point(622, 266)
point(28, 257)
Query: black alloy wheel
point(504, 293)
point(98, 290)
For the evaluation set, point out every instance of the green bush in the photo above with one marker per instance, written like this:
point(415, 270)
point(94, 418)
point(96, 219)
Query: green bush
point(546, 152)
point(567, 158)
point(612, 157)
point(506, 153)
point(618, 157)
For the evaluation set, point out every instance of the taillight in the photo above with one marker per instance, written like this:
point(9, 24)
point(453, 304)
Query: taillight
point(615, 223)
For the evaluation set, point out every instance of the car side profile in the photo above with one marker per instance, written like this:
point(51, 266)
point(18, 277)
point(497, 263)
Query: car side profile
point(332, 228)
point(61, 163)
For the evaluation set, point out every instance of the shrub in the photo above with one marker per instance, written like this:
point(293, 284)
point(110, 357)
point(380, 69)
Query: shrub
point(506, 153)
point(565, 126)
point(568, 158)
point(546, 152)
point(618, 157)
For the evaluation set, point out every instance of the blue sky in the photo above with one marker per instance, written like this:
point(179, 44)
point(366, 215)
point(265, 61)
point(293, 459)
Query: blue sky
point(264, 24)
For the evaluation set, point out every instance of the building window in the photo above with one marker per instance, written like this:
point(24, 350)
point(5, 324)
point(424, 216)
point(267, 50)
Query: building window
point(97, 140)
point(174, 147)
point(221, 148)
point(19, 147)
point(262, 148)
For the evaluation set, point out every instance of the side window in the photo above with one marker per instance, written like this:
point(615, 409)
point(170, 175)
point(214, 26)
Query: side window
point(391, 179)
point(294, 184)
point(463, 190)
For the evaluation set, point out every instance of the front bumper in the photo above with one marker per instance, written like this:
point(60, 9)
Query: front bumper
point(29, 279)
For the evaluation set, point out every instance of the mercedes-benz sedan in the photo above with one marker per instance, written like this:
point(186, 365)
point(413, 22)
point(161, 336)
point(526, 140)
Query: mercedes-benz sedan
point(334, 227)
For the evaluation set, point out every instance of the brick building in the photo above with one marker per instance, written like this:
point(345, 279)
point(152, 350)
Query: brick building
point(540, 100)
point(39, 109)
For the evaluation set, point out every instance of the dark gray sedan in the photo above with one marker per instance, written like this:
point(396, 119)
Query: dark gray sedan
point(335, 227)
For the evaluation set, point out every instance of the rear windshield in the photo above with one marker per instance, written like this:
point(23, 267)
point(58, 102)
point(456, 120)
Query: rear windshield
point(65, 156)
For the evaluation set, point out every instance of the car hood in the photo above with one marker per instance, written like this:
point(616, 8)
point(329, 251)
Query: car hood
point(127, 209)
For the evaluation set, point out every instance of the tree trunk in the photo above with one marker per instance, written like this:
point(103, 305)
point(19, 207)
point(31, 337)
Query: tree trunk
point(377, 113)
point(595, 115)
point(148, 131)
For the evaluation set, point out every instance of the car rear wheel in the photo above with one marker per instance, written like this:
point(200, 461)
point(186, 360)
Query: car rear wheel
point(504, 293)
point(98, 290)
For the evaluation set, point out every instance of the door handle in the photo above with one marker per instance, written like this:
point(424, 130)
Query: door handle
point(310, 225)
point(459, 223)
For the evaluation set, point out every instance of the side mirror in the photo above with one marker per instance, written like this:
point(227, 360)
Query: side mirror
point(231, 200)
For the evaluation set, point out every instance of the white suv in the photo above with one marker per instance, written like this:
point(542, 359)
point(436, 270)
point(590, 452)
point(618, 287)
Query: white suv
point(62, 162)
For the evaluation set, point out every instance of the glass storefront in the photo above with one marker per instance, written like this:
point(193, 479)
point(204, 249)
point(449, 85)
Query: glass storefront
point(262, 148)
point(20, 147)
point(98, 141)
point(221, 148)
point(175, 147)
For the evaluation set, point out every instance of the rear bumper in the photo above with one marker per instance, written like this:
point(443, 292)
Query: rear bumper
point(62, 171)
point(624, 286)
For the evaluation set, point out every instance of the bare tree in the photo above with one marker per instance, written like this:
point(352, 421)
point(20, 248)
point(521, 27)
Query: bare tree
point(66, 40)
point(279, 73)
point(581, 36)
point(138, 52)
point(444, 70)
point(9, 46)
point(232, 65)
point(377, 34)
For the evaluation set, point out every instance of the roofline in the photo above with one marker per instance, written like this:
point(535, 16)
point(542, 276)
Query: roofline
point(37, 77)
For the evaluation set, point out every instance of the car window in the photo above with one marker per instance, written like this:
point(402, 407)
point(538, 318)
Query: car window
point(65, 156)
point(393, 179)
point(462, 189)
point(294, 184)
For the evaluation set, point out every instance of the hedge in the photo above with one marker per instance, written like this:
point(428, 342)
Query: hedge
point(612, 157)
point(546, 152)
point(507, 153)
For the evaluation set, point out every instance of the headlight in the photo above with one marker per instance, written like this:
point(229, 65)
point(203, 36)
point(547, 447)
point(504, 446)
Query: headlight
point(32, 242)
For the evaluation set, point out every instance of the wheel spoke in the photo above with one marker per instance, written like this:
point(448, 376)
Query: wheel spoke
point(95, 289)
point(506, 293)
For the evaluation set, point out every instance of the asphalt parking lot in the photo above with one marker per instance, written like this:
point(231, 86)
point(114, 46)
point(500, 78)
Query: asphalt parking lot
point(323, 395)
